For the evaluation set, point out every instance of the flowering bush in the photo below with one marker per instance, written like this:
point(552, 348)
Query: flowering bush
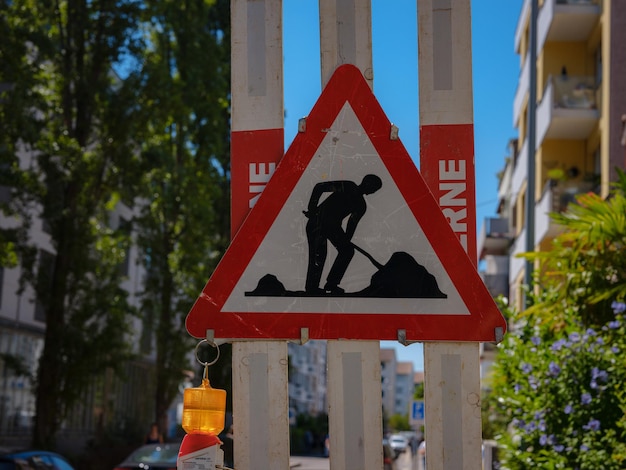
point(563, 395)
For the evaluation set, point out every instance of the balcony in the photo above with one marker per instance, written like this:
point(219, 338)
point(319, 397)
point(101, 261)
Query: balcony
point(494, 238)
point(566, 20)
point(520, 171)
point(497, 284)
point(555, 198)
point(516, 265)
point(523, 88)
point(568, 109)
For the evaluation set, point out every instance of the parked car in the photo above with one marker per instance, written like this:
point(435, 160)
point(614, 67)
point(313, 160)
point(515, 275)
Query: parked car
point(398, 443)
point(152, 456)
point(389, 456)
point(34, 460)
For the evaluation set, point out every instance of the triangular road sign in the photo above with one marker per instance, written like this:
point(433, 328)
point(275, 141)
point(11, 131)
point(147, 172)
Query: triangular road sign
point(384, 259)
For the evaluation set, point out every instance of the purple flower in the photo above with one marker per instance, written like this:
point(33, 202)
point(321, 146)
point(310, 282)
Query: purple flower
point(584, 448)
point(599, 374)
point(558, 345)
point(535, 340)
point(615, 349)
point(614, 325)
point(568, 409)
point(585, 399)
point(574, 337)
point(554, 369)
point(558, 448)
point(526, 368)
point(532, 381)
point(543, 440)
point(592, 425)
point(618, 307)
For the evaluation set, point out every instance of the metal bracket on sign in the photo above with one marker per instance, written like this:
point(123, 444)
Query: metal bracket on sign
point(394, 132)
point(210, 337)
point(402, 338)
point(499, 334)
point(304, 337)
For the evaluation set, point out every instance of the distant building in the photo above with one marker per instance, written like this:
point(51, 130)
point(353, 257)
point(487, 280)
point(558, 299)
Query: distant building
point(405, 386)
point(388, 368)
point(22, 327)
point(577, 117)
point(307, 378)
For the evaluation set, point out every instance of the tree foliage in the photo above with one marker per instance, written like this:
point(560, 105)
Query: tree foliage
point(64, 114)
point(103, 103)
point(557, 397)
point(585, 269)
point(183, 87)
point(399, 422)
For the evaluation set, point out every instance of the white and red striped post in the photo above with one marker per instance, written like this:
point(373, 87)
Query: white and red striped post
point(452, 369)
point(260, 387)
point(354, 393)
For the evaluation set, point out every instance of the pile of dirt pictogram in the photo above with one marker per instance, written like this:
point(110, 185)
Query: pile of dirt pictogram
point(402, 277)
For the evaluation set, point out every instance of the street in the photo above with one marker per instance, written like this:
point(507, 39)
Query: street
point(403, 462)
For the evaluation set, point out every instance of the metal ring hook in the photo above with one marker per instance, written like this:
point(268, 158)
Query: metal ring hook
point(211, 343)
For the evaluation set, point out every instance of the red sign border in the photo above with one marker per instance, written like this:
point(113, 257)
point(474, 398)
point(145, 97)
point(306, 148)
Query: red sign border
point(482, 324)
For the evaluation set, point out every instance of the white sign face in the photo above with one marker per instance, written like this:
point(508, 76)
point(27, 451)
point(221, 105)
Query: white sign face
point(386, 229)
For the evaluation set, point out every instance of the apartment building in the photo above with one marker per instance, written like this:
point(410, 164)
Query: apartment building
point(405, 386)
point(578, 80)
point(307, 378)
point(22, 328)
point(388, 367)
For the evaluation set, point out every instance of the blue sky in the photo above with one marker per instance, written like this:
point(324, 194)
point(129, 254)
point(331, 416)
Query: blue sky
point(394, 41)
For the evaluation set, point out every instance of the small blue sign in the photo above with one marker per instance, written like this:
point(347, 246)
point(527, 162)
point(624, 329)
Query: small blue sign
point(417, 410)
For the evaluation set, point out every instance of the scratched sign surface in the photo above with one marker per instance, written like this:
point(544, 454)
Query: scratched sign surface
point(347, 241)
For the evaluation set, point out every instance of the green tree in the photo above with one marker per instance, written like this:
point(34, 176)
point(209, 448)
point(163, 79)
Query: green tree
point(67, 113)
point(183, 104)
point(399, 422)
point(557, 387)
point(418, 393)
point(585, 269)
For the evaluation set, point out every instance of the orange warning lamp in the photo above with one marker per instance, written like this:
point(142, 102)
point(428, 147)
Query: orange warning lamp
point(204, 407)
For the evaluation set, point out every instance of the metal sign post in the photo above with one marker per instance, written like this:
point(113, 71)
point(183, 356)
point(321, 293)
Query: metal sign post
point(410, 279)
point(452, 370)
point(260, 390)
point(354, 396)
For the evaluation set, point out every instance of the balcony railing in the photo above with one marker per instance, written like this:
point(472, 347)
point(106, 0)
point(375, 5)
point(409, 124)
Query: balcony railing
point(565, 192)
point(494, 237)
point(497, 284)
point(568, 109)
point(574, 92)
point(576, 2)
point(557, 195)
point(566, 21)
